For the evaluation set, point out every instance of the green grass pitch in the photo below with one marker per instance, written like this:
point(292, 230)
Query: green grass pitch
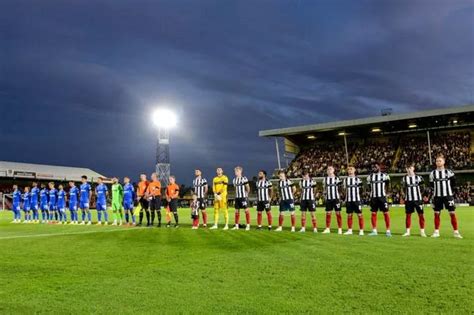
point(91, 269)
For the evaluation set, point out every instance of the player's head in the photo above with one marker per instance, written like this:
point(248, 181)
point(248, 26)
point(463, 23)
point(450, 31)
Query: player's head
point(306, 174)
point(330, 170)
point(376, 167)
point(43, 186)
point(27, 189)
point(282, 175)
point(440, 160)
point(100, 180)
point(34, 184)
point(15, 187)
point(238, 171)
point(143, 177)
point(126, 180)
point(219, 171)
point(262, 174)
point(197, 172)
point(410, 168)
point(351, 170)
point(84, 179)
point(71, 184)
point(172, 179)
point(195, 197)
point(154, 177)
point(115, 180)
point(51, 185)
point(60, 187)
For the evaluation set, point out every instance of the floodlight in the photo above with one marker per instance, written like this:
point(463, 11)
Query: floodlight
point(412, 126)
point(164, 118)
point(376, 129)
point(311, 137)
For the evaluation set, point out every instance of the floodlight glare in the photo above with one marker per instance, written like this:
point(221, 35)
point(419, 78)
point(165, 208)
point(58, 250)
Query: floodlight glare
point(164, 118)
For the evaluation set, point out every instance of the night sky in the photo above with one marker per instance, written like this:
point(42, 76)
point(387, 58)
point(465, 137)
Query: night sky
point(78, 79)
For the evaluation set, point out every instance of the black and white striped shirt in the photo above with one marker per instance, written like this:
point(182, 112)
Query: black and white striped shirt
point(412, 187)
point(200, 185)
point(240, 184)
point(377, 183)
point(352, 185)
point(331, 187)
point(441, 181)
point(286, 189)
point(307, 189)
point(263, 190)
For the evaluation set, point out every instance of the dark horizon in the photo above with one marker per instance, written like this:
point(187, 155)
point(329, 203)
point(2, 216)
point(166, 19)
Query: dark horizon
point(80, 79)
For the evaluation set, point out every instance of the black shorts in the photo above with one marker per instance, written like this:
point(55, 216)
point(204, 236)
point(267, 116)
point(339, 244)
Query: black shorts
point(308, 205)
point(353, 207)
point(173, 205)
point(264, 206)
point(202, 203)
point(287, 205)
point(333, 204)
point(411, 206)
point(378, 204)
point(440, 203)
point(241, 203)
point(143, 203)
point(155, 204)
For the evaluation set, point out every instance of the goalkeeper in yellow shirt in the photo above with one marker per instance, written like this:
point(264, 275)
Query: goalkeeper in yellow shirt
point(219, 186)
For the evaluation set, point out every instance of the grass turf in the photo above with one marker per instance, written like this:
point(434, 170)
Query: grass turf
point(90, 269)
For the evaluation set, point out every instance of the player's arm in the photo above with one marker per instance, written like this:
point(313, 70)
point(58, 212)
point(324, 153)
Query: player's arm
point(176, 193)
point(206, 189)
point(452, 180)
point(270, 191)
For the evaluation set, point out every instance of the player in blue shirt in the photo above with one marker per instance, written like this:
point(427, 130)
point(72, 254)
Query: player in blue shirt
point(52, 204)
point(128, 200)
point(84, 200)
point(61, 204)
point(16, 203)
point(34, 195)
point(44, 204)
point(26, 204)
point(73, 193)
point(101, 192)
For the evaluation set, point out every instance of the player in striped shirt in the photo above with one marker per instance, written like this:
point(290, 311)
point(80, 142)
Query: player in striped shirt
point(443, 183)
point(352, 185)
point(308, 203)
point(201, 189)
point(242, 190)
point(287, 201)
point(331, 185)
point(264, 197)
point(413, 199)
point(378, 200)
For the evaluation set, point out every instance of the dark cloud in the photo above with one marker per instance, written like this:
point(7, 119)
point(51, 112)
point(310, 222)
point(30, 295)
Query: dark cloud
point(79, 78)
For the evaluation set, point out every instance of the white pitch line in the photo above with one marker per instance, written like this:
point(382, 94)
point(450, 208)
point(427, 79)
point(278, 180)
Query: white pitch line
point(63, 234)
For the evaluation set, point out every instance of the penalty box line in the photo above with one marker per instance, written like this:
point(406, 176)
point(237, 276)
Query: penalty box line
point(69, 233)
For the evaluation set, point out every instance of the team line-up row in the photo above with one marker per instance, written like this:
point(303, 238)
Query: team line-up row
point(52, 202)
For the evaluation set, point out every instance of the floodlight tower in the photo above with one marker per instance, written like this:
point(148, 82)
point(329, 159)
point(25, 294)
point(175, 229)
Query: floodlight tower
point(164, 120)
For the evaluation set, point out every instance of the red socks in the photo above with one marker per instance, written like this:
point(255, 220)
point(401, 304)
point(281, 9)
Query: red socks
point(421, 219)
point(247, 216)
point(339, 219)
point(408, 220)
point(313, 221)
point(328, 219)
point(349, 221)
point(386, 216)
point(303, 220)
point(293, 220)
point(437, 220)
point(269, 218)
point(361, 222)
point(237, 217)
point(259, 218)
point(454, 220)
point(373, 219)
point(196, 222)
point(204, 217)
point(280, 220)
